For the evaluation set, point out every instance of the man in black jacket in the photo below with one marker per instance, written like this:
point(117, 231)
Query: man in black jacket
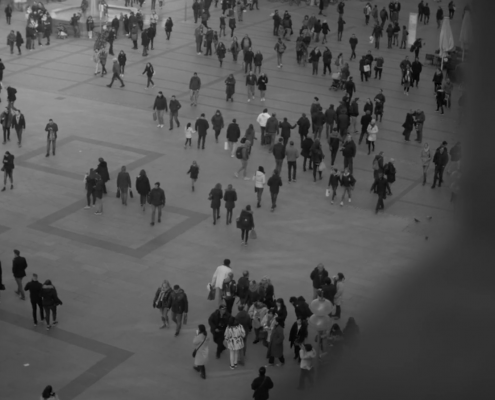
point(160, 106)
point(279, 154)
point(34, 287)
point(261, 385)
point(318, 276)
point(157, 201)
point(304, 125)
point(353, 42)
point(179, 307)
point(218, 324)
point(348, 152)
point(440, 159)
point(201, 127)
point(297, 336)
point(380, 187)
point(19, 266)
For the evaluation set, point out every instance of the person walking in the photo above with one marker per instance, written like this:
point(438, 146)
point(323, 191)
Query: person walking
point(90, 183)
point(34, 288)
point(233, 135)
point(8, 13)
point(381, 188)
point(262, 385)
point(194, 87)
point(174, 106)
point(258, 61)
point(149, 71)
point(19, 124)
point(314, 57)
point(250, 84)
point(179, 307)
point(340, 28)
point(19, 41)
point(262, 82)
point(347, 181)
point(243, 318)
point(51, 137)
point(218, 322)
point(272, 130)
point(365, 121)
point(259, 184)
point(276, 344)
point(279, 154)
point(440, 97)
point(102, 171)
point(274, 183)
point(317, 157)
point(123, 184)
point(280, 48)
point(234, 337)
point(245, 223)
point(353, 41)
point(50, 302)
point(408, 125)
point(103, 61)
point(292, 154)
point(168, 28)
point(116, 74)
point(372, 131)
point(161, 302)
point(221, 51)
point(230, 197)
point(416, 69)
point(201, 126)
point(349, 152)
point(440, 159)
point(193, 173)
point(201, 350)
point(143, 187)
point(8, 169)
point(262, 120)
point(230, 87)
point(307, 355)
point(157, 200)
point(217, 124)
point(19, 266)
point(333, 183)
point(216, 196)
point(160, 107)
point(242, 153)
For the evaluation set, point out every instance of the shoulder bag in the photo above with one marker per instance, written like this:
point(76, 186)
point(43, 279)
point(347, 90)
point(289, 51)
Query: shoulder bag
point(197, 348)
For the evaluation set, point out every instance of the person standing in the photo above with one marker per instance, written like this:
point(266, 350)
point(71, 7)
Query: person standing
point(307, 355)
point(19, 41)
point(280, 48)
point(160, 301)
point(318, 276)
point(242, 153)
point(244, 319)
point(19, 265)
point(381, 188)
point(202, 127)
point(116, 74)
point(315, 56)
point(279, 154)
point(365, 121)
point(340, 28)
point(174, 112)
point(102, 170)
point(292, 154)
point(276, 344)
point(8, 13)
point(201, 349)
point(317, 156)
point(50, 302)
point(262, 120)
point(377, 34)
point(149, 71)
point(246, 224)
point(8, 169)
point(262, 82)
point(51, 137)
point(160, 106)
point(372, 131)
point(379, 61)
point(440, 97)
point(440, 159)
point(157, 201)
point(230, 197)
point(123, 184)
point(19, 124)
point(193, 172)
point(179, 307)
point(333, 183)
point(274, 183)
point(234, 337)
point(168, 28)
point(98, 193)
point(90, 187)
point(233, 135)
point(416, 68)
point(103, 55)
point(262, 385)
point(272, 130)
point(258, 61)
point(34, 287)
point(216, 196)
point(419, 120)
point(408, 125)
point(298, 335)
point(218, 321)
point(337, 299)
point(425, 160)
point(143, 187)
point(194, 87)
point(250, 84)
point(221, 273)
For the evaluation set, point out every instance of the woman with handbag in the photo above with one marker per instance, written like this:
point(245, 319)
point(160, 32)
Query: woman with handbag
point(201, 350)
point(245, 224)
point(160, 301)
point(234, 336)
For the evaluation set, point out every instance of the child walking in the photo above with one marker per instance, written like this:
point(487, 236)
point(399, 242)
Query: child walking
point(333, 183)
point(193, 173)
point(189, 132)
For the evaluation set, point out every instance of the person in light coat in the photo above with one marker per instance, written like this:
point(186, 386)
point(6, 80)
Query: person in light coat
point(200, 343)
point(257, 313)
point(234, 336)
point(221, 273)
point(259, 184)
point(371, 139)
point(337, 299)
point(261, 120)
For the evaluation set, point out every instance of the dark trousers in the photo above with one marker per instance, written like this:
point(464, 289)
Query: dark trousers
point(348, 163)
point(353, 54)
point(310, 163)
point(316, 169)
point(150, 81)
point(271, 360)
point(325, 67)
point(217, 133)
point(334, 148)
point(363, 132)
point(378, 73)
point(315, 67)
point(438, 176)
point(218, 338)
point(50, 310)
point(34, 304)
point(274, 199)
point(89, 194)
point(379, 204)
point(201, 140)
point(339, 35)
point(440, 106)
point(292, 166)
point(116, 76)
point(364, 75)
point(306, 375)
point(244, 238)
point(250, 65)
point(6, 133)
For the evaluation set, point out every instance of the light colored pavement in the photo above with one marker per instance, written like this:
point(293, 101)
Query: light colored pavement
point(107, 268)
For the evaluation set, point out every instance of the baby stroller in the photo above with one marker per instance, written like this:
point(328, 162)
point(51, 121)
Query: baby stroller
point(62, 32)
point(336, 81)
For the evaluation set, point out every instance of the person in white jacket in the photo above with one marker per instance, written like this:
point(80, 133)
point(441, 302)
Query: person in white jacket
point(371, 139)
point(307, 355)
point(261, 120)
point(259, 184)
point(219, 276)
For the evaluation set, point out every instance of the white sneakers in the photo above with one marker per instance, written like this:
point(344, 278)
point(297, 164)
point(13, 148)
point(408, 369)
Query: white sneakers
point(341, 203)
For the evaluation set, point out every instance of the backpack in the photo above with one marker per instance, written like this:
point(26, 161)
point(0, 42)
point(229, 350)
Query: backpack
point(238, 153)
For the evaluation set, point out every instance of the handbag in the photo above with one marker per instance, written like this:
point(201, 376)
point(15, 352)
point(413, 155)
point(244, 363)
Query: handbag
point(322, 167)
point(118, 193)
point(226, 146)
point(197, 348)
point(155, 117)
point(211, 292)
point(131, 194)
point(238, 223)
point(366, 68)
point(253, 235)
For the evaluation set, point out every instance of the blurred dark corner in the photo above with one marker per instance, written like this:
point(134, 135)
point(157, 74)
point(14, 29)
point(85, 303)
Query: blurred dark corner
point(434, 338)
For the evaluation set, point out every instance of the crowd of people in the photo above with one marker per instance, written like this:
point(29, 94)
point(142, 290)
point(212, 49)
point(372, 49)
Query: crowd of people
point(258, 310)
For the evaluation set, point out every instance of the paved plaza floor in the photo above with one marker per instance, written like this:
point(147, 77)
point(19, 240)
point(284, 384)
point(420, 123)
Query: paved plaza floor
point(106, 268)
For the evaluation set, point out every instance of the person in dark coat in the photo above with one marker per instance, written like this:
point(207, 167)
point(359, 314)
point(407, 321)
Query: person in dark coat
point(245, 224)
point(179, 307)
point(202, 127)
point(328, 289)
point(233, 135)
point(416, 69)
point(440, 159)
point(19, 266)
point(297, 336)
point(143, 187)
point(218, 324)
point(408, 125)
point(389, 170)
point(230, 197)
point(230, 87)
point(193, 173)
point(123, 184)
point(306, 146)
point(50, 302)
point(276, 344)
point(216, 196)
point(243, 288)
point(102, 170)
point(380, 187)
point(303, 308)
point(317, 156)
point(304, 125)
point(34, 287)
point(318, 276)
point(262, 385)
point(274, 183)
